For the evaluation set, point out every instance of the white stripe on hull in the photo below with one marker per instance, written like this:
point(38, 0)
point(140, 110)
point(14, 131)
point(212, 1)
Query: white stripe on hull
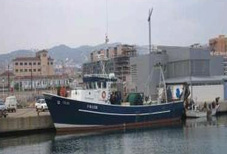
point(119, 114)
point(58, 125)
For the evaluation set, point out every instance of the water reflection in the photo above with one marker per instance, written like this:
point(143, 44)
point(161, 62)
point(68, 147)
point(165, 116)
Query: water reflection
point(133, 141)
point(192, 136)
point(37, 143)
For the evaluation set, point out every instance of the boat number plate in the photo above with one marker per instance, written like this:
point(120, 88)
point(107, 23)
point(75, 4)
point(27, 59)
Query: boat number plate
point(92, 106)
point(63, 102)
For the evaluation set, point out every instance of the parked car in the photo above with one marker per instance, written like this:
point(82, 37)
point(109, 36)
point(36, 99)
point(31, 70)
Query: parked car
point(41, 105)
point(39, 97)
point(11, 104)
point(2, 109)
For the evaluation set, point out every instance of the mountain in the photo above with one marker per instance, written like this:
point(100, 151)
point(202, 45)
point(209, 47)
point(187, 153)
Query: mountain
point(5, 59)
point(60, 53)
point(63, 52)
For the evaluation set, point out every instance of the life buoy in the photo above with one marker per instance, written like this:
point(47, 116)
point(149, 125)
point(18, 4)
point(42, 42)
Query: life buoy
point(62, 91)
point(103, 94)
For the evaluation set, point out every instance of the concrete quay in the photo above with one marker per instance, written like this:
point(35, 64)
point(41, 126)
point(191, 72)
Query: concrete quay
point(25, 120)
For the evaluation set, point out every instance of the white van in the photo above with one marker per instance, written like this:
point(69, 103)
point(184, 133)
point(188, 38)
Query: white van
point(11, 103)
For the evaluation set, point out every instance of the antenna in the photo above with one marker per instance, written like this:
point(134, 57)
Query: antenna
point(106, 36)
point(149, 22)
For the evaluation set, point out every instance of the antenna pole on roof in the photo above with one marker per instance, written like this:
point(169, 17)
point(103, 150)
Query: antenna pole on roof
point(106, 36)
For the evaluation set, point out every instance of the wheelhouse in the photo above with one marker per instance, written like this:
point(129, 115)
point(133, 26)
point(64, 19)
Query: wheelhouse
point(97, 88)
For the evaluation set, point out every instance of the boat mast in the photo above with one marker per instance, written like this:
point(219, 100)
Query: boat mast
point(106, 36)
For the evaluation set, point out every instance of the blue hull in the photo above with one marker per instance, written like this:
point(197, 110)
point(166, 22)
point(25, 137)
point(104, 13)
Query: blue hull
point(68, 113)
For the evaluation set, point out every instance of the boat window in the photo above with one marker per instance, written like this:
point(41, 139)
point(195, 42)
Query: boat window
point(93, 85)
point(104, 85)
point(99, 84)
point(89, 85)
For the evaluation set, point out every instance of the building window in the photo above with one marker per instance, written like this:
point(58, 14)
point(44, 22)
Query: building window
point(34, 70)
point(48, 63)
point(38, 63)
point(39, 70)
point(21, 70)
point(30, 63)
point(25, 63)
point(16, 63)
point(51, 63)
point(44, 55)
point(16, 70)
point(34, 63)
point(25, 70)
point(30, 70)
point(21, 63)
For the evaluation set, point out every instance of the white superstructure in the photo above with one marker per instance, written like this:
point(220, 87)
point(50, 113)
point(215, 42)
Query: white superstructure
point(97, 89)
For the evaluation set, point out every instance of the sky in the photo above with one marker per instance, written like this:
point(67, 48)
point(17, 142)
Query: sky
point(42, 24)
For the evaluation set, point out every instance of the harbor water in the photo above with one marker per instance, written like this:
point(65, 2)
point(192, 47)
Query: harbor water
point(197, 136)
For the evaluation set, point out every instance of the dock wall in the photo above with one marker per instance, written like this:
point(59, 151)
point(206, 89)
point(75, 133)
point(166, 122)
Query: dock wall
point(19, 124)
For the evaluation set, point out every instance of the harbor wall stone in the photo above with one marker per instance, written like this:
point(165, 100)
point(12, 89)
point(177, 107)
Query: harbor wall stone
point(25, 123)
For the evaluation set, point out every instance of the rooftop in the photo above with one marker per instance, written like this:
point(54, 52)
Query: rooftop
point(26, 59)
point(188, 79)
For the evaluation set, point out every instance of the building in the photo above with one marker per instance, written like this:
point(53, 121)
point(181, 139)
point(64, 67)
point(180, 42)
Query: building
point(112, 60)
point(36, 73)
point(112, 52)
point(40, 65)
point(196, 66)
point(145, 78)
point(219, 45)
point(187, 61)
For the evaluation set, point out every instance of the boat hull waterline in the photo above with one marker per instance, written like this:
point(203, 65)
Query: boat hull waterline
point(71, 115)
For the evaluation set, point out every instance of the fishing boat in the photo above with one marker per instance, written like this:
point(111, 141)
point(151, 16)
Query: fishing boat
point(99, 106)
